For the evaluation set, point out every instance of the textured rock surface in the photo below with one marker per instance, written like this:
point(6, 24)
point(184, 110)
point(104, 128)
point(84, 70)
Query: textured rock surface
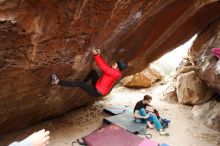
point(185, 66)
point(169, 93)
point(209, 113)
point(207, 65)
point(185, 86)
point(207, 68)
point(191, 90)
point(143, 79)
point(39, 37)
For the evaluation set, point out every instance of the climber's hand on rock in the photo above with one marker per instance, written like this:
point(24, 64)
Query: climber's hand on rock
point(95, 51)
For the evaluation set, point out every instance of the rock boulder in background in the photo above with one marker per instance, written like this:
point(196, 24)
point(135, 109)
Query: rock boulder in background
point(143, 79)
point(169, 94)
point(206, 64)
point(191, 90)
point(208, 113)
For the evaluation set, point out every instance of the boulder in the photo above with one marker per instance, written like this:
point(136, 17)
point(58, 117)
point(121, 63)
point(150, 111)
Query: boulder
point(169, 94)
point(191, 90)
point(208, 113)
point(143, 79)
point(206, 64)
point(41, 37)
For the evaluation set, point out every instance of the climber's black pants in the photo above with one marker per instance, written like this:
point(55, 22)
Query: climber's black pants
point(90, 89)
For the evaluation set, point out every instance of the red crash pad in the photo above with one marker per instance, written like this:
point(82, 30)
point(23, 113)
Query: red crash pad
point(113, 135)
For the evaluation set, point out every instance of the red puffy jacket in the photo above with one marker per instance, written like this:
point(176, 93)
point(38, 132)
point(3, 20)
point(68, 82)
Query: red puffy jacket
point(109, 77)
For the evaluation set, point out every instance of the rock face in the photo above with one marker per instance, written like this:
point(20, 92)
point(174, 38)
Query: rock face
point(191, 90)
point(209, 113)
point(207, 69)
point(39, 37)
point(207, 65)
point(143, 79)
point(169, 93)
point(187, 87)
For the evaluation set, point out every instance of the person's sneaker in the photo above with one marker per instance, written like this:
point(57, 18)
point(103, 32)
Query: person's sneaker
point(162, 132)
point(54, 79)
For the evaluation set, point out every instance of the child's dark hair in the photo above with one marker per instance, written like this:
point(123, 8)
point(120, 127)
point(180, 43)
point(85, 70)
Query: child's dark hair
point(147, 97)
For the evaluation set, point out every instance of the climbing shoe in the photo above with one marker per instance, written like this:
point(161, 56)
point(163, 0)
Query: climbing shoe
point(54, 79)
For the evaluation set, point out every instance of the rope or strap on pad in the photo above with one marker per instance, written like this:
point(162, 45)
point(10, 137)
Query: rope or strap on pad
point(79, 142)
point(148, 136)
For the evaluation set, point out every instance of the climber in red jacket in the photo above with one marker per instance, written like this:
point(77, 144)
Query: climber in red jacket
point(100, 85)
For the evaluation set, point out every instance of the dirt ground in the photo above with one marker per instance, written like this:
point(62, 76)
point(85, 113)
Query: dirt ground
point(183, 129)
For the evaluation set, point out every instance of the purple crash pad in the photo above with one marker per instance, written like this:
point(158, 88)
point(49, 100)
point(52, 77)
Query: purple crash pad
point(113, 135)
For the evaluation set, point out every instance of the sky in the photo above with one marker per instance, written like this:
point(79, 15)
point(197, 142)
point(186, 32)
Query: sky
point(174, 57)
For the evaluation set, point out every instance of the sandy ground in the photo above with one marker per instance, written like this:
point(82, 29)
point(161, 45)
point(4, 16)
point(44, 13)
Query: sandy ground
point(184, 130)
